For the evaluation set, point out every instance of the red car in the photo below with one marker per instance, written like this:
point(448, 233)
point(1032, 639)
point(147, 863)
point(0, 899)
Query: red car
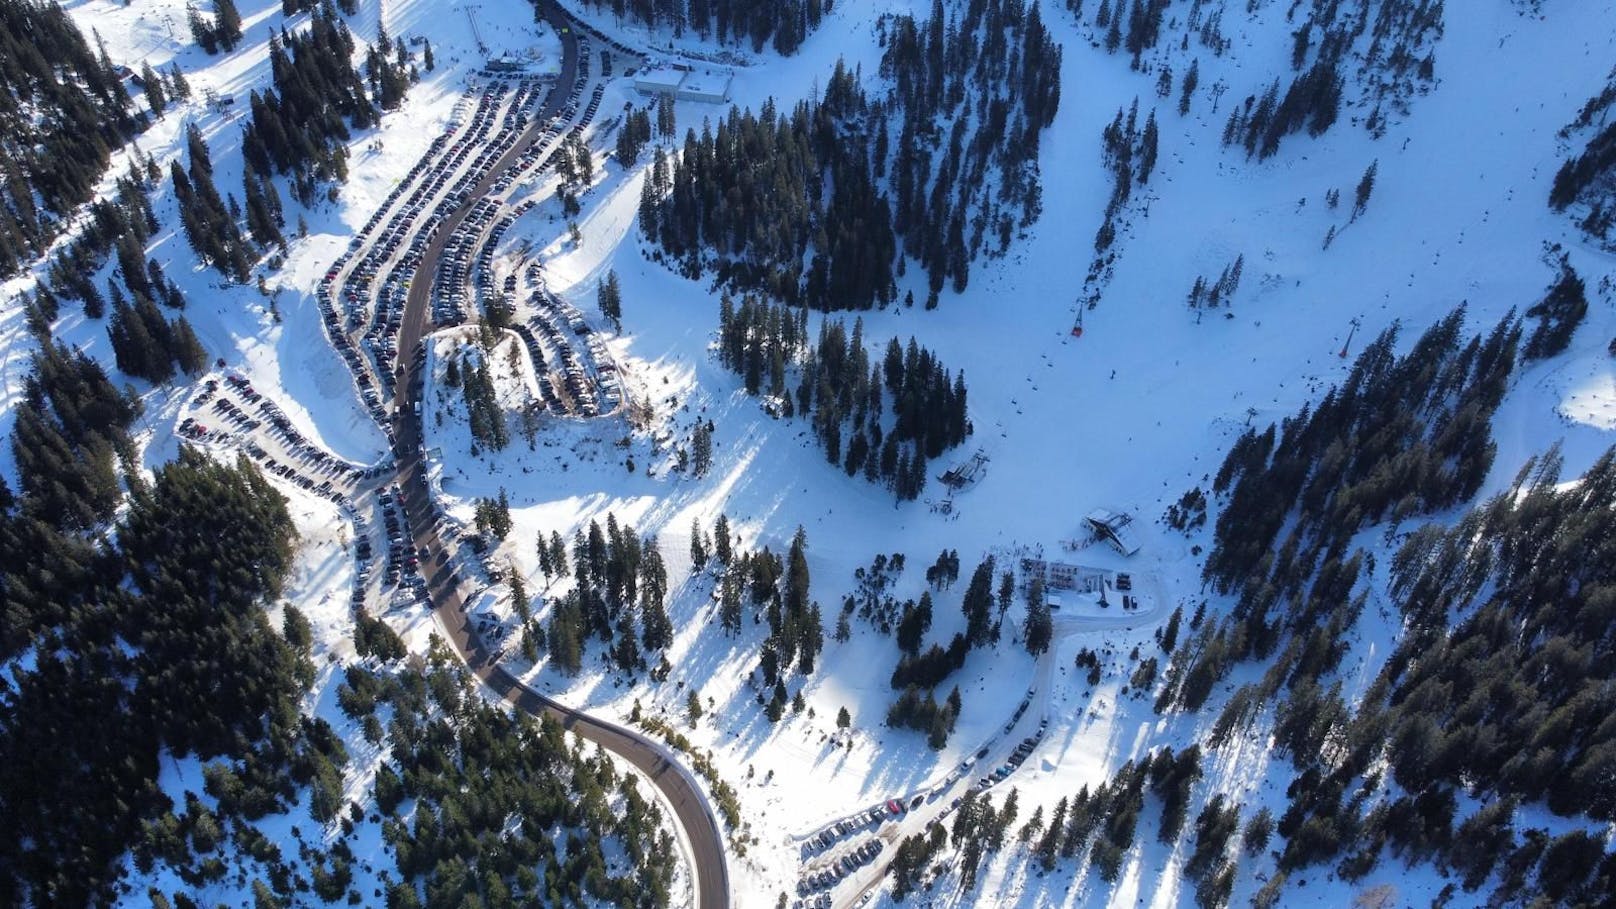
point(894, 807)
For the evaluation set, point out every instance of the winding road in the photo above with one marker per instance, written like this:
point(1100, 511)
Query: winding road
point(678, 785)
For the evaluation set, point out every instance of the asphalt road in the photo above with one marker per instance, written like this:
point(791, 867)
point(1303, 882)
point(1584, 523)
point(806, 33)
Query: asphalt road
point(675, 781)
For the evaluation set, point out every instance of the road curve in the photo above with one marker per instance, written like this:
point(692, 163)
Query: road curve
point(678, 785)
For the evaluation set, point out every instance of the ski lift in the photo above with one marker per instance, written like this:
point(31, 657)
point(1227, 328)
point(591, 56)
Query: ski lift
point(1077, 328)
point(1350, 332)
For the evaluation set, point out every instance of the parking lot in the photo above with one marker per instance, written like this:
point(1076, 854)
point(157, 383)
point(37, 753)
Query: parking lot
point(362, 295)
point(577, 375)
point(229, 413)
point(842, 848)
point(406, 551)
point(455, 203)
point(844, 860)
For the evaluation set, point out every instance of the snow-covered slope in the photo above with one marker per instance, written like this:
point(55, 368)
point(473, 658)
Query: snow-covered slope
point(1130, 415)
point(270, 333)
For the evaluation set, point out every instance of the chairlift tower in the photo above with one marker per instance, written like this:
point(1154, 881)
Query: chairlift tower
point(1350, 332)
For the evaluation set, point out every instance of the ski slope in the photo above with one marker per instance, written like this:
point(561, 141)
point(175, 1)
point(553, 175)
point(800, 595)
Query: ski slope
point(1131, 415)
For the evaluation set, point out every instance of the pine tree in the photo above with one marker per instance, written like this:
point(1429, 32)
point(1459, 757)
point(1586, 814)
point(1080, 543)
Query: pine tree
point(729, 604)
point(721, 539)
point(1039, 627)
point(261, 216)
point(153, 86)
point(519, 598)
point(1147, 149)
point(202, 31)
point(1192, 78)
point(227, 28)
point(558, 554)
point(135, 351)
point(796, 594)
point(301, 127)
point(208, 225)
point(610, 298)
point(94, 304)
point(188, 350)
point(666, 125)
point(1048, 844)
point(502, 515)
point(1366, 186)
point(701, 448)
point(698, 546)
point(565, 636)
point(657, 629)
point(649, 223)
point(177, 82)
point(978, 603)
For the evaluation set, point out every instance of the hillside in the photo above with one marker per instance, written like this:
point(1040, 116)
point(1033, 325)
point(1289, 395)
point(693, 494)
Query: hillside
point(1307, 305)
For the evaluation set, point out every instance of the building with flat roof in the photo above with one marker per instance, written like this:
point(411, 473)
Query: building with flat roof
point(659, 80)
point(685, 83)
point(1064, 575)
point(709, 85)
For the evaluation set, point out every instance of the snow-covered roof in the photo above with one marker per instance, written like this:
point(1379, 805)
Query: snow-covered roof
point(659, 79)
point(705, 85)
point(1103, 516)
point(1115, 526)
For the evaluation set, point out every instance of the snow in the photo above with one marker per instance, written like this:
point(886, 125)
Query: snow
point(1138, 410)
point(660, 78)
point(706, 83)
point(322, 575)
point(275, 340)
point(1130, 416)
